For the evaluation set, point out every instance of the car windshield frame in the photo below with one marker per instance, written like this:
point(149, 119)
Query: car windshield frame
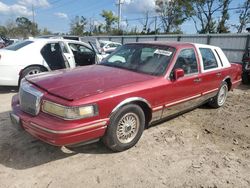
point(165, 55)
point(18, 45)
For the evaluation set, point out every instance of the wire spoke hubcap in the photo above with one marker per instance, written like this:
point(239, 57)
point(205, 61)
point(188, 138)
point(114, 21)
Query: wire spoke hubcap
point(127, 128)
point(34, 71)
point(222, 95)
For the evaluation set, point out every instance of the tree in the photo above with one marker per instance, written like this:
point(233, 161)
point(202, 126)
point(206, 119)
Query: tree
point(222, 28)
point(78, 25)
point(204, 11)
point(244, 16)
point(24, 26)
point(173, 13)
point(146, 23)
point(34, 29)
point(3, 31)
point(110, 19)
point(45, 31)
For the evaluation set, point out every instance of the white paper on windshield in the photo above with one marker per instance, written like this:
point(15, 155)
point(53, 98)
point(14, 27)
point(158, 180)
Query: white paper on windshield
point(163, 52)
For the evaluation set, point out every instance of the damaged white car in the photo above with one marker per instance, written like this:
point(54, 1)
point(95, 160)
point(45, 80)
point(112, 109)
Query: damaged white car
point(33, 56)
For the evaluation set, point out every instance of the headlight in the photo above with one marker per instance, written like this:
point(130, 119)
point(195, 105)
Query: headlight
point(70, 113)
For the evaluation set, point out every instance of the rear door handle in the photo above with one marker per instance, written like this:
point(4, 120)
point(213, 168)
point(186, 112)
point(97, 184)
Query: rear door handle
point(197, 80)
point(218, 74)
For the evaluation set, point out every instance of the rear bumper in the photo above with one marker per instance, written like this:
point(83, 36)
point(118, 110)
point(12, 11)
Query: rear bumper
point(66, 132)
point(9, 75)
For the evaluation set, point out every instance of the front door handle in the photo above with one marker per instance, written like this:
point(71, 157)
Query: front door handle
point(197, 80)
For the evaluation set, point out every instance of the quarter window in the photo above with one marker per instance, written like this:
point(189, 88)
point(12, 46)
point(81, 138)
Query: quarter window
point(18, 45)
point(79, 48)
point(187, 61)
point(209, 60)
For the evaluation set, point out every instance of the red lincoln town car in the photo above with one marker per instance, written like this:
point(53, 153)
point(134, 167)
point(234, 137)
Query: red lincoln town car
point(115, 100)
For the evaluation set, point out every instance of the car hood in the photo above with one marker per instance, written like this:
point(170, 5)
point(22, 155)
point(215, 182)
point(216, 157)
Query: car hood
point(86, 81)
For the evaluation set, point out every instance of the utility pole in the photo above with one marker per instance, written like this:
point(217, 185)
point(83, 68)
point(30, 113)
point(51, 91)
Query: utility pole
point(33, 20)
point(33, 14)
point(119, 4)
point(155, 24)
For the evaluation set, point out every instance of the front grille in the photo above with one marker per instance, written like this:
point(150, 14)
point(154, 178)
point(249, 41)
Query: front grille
point(30, 99)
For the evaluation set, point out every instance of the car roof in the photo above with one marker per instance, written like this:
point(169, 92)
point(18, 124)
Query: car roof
point(174, 44)
point(54, 40)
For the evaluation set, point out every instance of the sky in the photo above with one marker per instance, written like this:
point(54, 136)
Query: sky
point(55, 15)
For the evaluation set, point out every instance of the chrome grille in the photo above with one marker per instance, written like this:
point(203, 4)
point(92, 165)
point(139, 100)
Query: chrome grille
point(30, 99)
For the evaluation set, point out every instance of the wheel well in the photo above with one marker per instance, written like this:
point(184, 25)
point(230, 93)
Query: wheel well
point(146, 109)
point(35, 65)
point(229, 83)
point(144, 106)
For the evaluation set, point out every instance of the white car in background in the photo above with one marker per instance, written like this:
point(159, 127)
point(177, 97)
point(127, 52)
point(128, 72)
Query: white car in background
point(33, 56)
point(108, 46)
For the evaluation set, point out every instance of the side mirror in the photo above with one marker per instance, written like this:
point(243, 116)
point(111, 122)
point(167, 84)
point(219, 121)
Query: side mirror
point(178, 73)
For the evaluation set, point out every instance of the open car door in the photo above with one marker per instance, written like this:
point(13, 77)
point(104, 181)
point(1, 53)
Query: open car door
point(99, 54)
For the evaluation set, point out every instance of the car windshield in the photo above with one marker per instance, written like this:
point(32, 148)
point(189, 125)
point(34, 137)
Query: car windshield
point(18, 45)
point(142, 58)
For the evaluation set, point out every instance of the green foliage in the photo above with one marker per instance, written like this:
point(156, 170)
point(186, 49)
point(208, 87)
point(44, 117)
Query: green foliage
point(26, 28)
point(173, 13)
point(222, 27)
point(22, 27)
point(204, 12)
point(78, 25)
point(110, 20)
point(45, 31)
point(244, 16)
point(3, 31)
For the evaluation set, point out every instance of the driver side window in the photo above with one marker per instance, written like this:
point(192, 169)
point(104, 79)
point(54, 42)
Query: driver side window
point(187, 61)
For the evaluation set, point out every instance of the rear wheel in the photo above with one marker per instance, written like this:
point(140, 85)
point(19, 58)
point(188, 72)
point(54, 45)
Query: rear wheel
point(30, 71)
point(125, 128)
point(221, 96)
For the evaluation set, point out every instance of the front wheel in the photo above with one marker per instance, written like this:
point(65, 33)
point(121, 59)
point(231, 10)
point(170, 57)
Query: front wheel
point(221, 96)
point(125, 128)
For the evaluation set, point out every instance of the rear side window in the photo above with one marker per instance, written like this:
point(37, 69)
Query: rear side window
point(209, 60)
point(18, 45)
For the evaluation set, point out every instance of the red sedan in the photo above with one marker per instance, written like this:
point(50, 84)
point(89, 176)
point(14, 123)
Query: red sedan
point(138, 84)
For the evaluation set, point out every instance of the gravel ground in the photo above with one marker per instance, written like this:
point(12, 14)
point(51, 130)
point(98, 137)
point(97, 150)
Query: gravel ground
point(202, 148)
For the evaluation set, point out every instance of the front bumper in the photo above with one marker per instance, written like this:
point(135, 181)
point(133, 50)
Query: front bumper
point(54, 130)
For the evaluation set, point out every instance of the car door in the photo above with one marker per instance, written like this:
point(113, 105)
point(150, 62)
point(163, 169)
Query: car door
point(185, 92)
point(83, 55)
point(53, 56)
point(211, 71)
point(68, 54)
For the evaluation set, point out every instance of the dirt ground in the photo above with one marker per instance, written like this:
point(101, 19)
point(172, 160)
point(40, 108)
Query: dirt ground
point(202, 148)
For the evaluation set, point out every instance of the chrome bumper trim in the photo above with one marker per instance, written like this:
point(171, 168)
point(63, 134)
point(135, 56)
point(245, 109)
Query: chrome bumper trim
point(99, 124)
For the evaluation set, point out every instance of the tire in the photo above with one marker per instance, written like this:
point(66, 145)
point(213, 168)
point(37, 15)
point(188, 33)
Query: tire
point(245, 78)
point(125, 128)
point(220, 99)
point(30, 71)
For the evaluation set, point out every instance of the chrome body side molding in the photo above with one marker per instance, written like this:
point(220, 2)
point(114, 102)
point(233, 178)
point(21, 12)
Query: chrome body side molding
point(182, 105)
point(129, 100)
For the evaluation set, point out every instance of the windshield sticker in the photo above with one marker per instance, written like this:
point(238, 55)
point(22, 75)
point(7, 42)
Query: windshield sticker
point(163, 52)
